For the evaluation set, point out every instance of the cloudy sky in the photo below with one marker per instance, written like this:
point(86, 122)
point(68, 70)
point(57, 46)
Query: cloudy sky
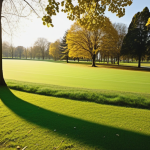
point(35, 29)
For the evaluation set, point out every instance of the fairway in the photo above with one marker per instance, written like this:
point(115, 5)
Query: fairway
point(74, 75)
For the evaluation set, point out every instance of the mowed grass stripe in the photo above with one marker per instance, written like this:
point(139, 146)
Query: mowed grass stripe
point(77, 76)
point(105, 73)
point(84, 78)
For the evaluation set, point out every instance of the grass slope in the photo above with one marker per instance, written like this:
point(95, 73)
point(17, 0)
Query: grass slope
point(42, 122)
point(99, 96)
point(74, 75)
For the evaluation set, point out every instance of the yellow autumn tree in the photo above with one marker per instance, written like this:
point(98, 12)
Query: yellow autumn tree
point(109, 42)
point(85, 43)
point(88, 13)
point(112, 41)
point(108, 46)
point(54, 50)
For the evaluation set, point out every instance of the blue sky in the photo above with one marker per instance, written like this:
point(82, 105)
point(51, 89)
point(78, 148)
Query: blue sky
point(32, 30)
point(137, 6)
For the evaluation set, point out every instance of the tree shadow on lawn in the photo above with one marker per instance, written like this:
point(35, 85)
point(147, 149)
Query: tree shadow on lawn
point(123, 67)
point(92, 134)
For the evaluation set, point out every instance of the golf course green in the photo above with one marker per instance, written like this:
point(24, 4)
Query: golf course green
point(74, 75)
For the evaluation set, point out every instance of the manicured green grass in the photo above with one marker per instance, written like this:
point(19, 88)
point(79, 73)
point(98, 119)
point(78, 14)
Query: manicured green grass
point(138, 100)
point(43, 122)
point(74, 75)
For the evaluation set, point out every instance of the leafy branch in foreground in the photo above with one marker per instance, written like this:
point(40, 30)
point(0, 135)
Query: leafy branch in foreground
point(88, 13)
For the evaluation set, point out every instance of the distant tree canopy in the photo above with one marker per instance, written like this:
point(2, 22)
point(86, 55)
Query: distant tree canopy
point(42, 43)
point(136, 41)
point(20, 50)
point(54, 50)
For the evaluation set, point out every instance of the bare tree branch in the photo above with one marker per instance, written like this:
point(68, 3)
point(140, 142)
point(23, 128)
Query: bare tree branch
point(32, 8)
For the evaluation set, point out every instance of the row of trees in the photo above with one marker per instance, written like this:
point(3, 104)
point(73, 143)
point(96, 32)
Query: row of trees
point(109, 42)
point(78, 42)
point(39, 50)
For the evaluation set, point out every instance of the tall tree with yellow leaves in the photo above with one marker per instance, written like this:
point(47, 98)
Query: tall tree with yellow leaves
point(54, 50)
point(83, 43)
point(109, 42)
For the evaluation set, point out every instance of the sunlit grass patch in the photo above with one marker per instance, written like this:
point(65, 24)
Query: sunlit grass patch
point(80, 76)
point(43, 122)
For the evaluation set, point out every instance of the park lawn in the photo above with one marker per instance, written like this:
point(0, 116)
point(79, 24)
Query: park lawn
point(43, 122)
point(74, 75)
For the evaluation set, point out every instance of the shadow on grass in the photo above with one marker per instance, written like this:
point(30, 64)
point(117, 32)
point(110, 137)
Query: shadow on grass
point(89, 133)
point(123, 67)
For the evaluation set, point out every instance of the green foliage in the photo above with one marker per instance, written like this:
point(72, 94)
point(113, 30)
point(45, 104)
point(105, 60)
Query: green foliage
point(135, 42)
point(64, 48)
point(98, 96)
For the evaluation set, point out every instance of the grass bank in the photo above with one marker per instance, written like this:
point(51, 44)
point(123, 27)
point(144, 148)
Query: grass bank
point(137, 100)
point(50, 123)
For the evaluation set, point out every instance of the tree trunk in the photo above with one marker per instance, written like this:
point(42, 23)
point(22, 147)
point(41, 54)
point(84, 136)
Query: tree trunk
point(78, 59)
point(12, 53)
point(118, 59)
point(111, 60)
point(67, 59)
point(139, 62)
point(2, 81)
point(108, 59)
point(93, 61)
point(128, 59)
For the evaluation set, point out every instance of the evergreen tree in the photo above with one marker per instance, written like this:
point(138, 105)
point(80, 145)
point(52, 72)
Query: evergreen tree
point(135, 42)
point(64, 48)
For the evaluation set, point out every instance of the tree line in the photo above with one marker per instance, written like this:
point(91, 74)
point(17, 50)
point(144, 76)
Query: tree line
point(110, 43)
point(39, 50)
